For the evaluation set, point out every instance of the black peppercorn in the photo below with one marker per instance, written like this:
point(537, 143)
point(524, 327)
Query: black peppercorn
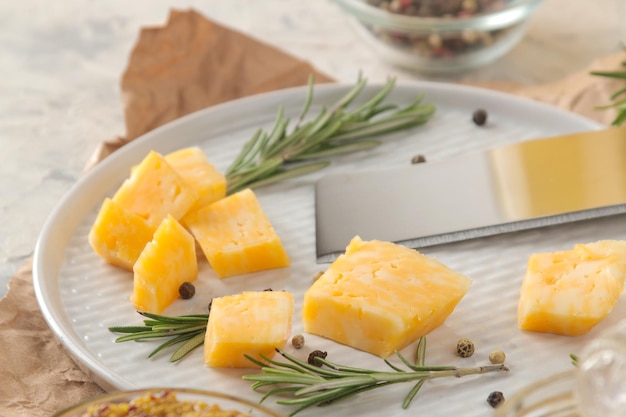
point(495, 399)
point(480, 117)
point(186, 290)
point(316, 354)
point(418, 159)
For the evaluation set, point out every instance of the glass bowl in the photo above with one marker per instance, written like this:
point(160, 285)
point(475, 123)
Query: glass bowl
point(223, 401)
point(440, 36)
point(596, 387)
point(550, 396)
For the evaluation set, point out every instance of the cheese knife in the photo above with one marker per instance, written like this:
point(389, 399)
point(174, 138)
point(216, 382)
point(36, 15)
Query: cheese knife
point(520, 186)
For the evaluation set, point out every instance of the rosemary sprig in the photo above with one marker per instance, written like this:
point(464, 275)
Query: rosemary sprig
point(281, 153)
point(325, 382)
point(186, 331)
point(618, 98)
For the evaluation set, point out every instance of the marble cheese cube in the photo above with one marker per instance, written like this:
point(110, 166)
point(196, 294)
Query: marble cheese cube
point(250, 323)
point(569, 292)
point(119, 236)
point(236, 236)
point(192, 165)
point(379, 297)
point(155, 190)
point(167, 261)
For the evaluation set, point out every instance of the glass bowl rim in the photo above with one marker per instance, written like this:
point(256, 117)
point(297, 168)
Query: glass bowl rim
point(514, 12)
point(206, 394)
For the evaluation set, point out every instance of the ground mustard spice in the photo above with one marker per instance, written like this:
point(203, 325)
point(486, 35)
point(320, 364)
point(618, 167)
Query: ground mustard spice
point(160, 404)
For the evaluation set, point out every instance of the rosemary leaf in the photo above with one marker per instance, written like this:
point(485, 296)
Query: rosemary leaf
point(277, 391)
point(611, 74)
point(420, 361)
point(618, 105)
point(172, 342)
point(188, 347)
point(618, 93)
point(244, 153)
point(175, 319)
point(127, 329)
point(409, 397)
point(307, 101)
point(150, 334)
point(420, 352)
point(170, 327)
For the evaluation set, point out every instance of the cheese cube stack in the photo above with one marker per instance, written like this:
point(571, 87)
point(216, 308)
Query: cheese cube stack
point(379, 297)
point(569, 292)
point(236, 236)
point(155, 190)
point(119, 236)
point(194, 168)
point(252, 323)
point(164, 264)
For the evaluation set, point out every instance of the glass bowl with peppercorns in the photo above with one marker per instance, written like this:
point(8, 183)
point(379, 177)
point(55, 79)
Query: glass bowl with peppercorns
point(441, 36)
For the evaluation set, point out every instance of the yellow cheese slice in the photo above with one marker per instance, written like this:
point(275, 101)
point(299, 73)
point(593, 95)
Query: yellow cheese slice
point(164, 264)
point(252, 323)
point(119, 236)
point(379, 297)
point(154, 190)
point(236, 236)
point(569, 292)
point(192, 165)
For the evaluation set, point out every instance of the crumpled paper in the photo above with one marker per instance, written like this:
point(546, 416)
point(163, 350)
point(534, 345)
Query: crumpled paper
point(193, 63)
point(186, 65)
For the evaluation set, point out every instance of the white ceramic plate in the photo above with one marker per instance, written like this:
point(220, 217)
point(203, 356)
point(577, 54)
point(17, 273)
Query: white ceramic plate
point(80, 295)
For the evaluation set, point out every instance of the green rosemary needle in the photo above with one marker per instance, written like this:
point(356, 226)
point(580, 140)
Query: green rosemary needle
point(309, 385)
point(282, 153)
point(618, 98)
point(186, 331)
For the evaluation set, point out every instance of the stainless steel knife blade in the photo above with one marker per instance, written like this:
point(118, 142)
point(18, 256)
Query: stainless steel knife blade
point(526, 185)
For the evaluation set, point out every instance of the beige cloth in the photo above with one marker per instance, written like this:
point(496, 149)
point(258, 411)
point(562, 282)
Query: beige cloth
point(188, 64)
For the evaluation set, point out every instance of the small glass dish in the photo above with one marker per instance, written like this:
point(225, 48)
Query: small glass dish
point(595, 387)
point(223, 401)
point(550, 396)
point(442, 42)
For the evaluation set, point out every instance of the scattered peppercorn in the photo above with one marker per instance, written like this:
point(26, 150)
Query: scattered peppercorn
point(495, 399)
point(186, 290)
point(316, 354)
point(465, 347)
point(297, 341)
point(418, 159)
point(480, 117)
point(497, 357)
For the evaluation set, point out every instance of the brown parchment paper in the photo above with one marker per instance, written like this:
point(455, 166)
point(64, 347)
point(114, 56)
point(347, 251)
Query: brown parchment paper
point(188, 64)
